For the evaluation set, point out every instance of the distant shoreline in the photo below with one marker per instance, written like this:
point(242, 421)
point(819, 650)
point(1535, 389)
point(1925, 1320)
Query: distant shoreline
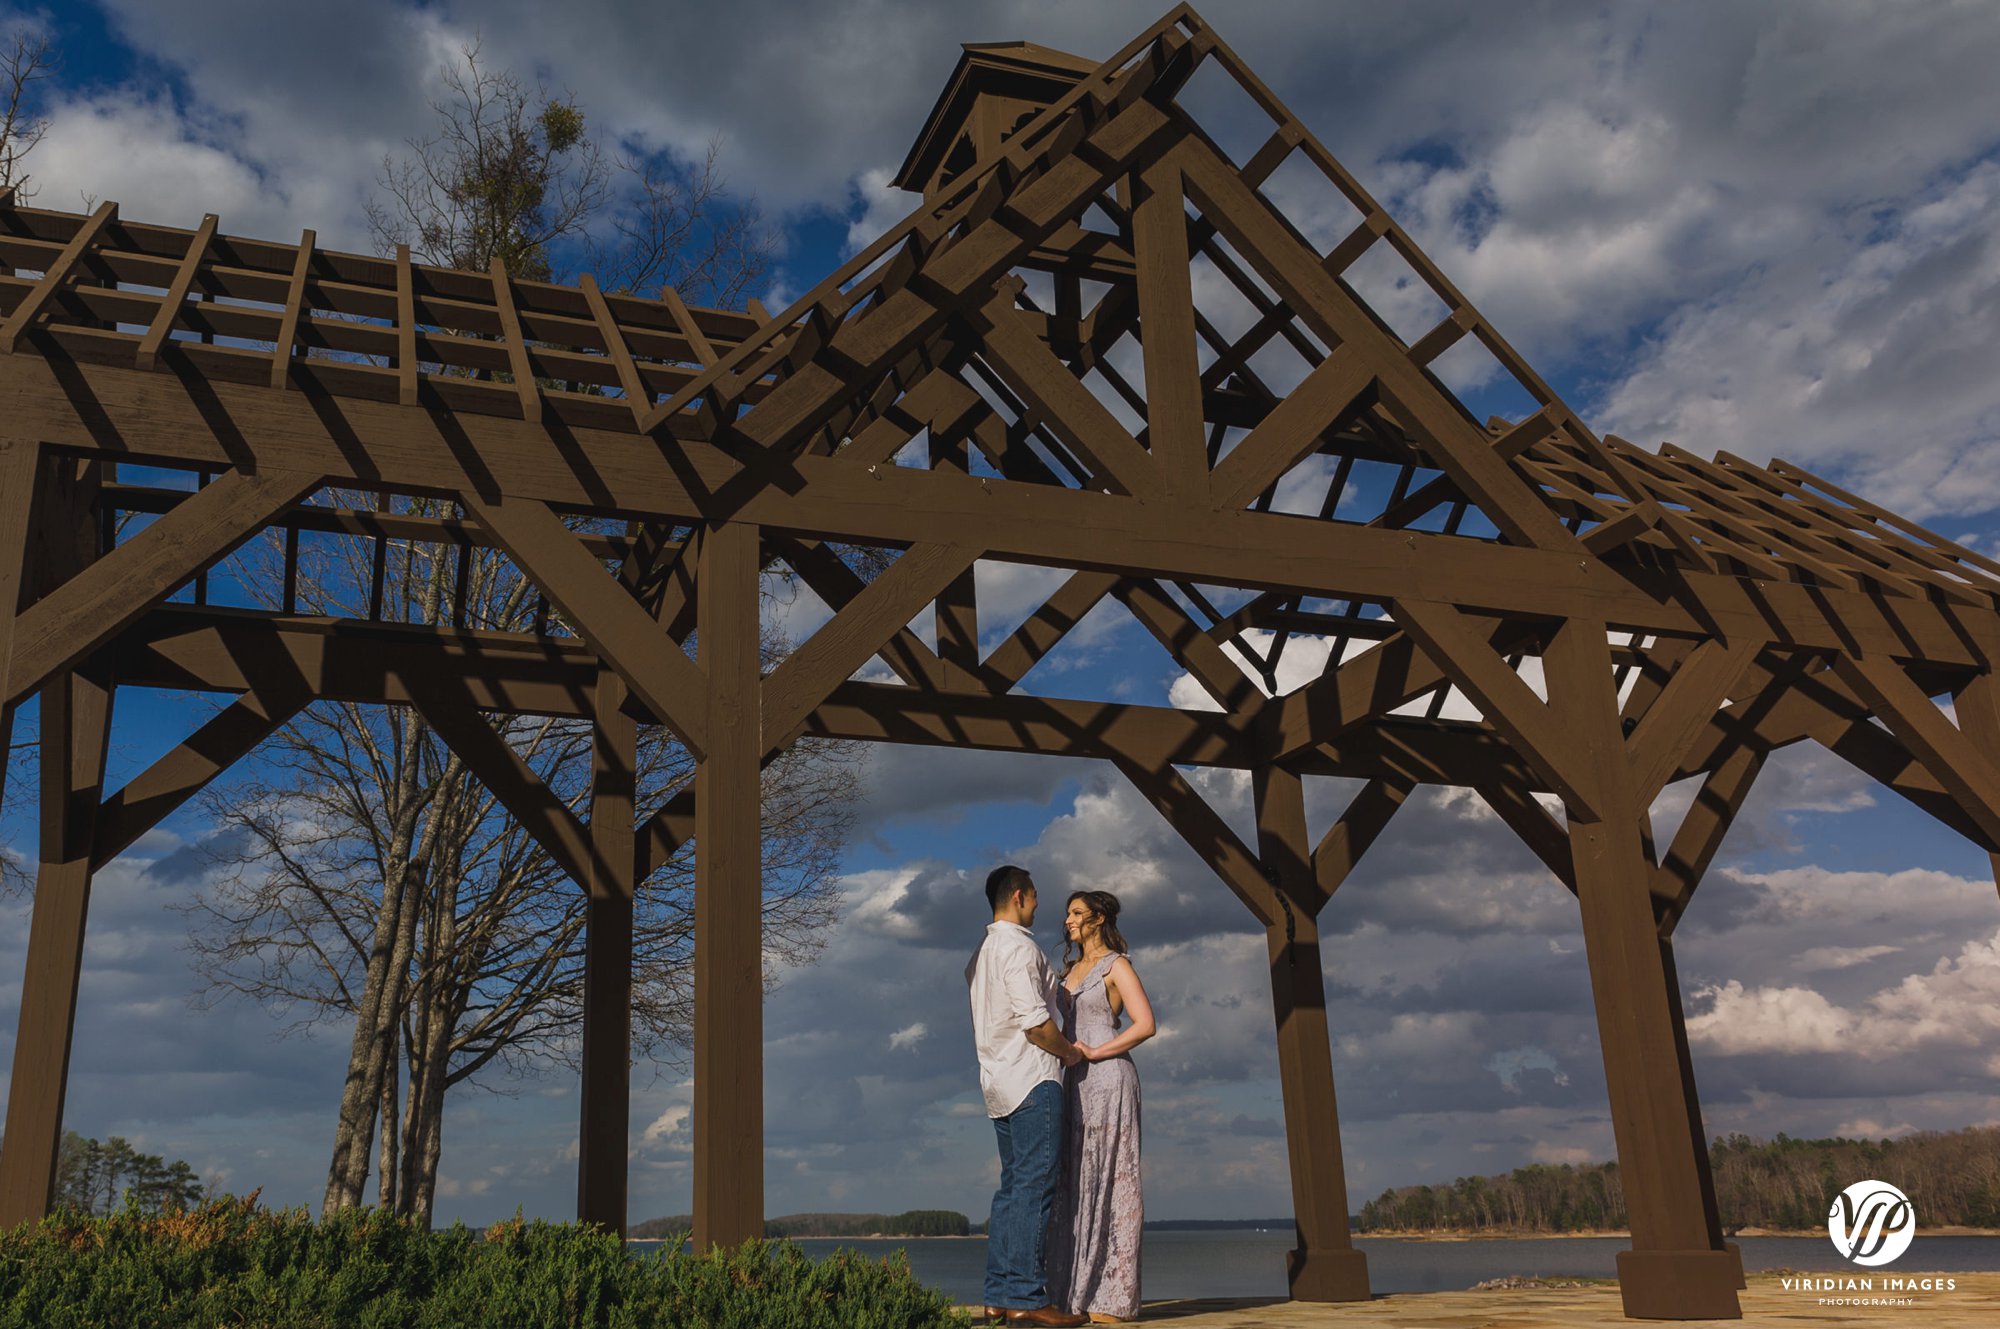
point(1529, 1234)
point(1396, 1234)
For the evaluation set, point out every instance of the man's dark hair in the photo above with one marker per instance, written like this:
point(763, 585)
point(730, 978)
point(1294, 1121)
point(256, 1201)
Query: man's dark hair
point(1003, 881)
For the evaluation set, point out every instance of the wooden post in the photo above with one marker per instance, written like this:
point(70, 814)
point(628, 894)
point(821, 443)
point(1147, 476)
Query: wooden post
point(1712, 1211)
point(605, 1126)
point(17, 499)
point(728, 910)
point(1677, 1268)
point(1325, 1266)
point(76, 718)
point(1978, 707)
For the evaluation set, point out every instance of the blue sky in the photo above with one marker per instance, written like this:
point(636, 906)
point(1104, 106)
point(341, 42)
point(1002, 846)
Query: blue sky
point(1762, 229)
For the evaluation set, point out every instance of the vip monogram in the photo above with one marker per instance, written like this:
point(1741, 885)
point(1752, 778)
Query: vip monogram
point(1871, 1223)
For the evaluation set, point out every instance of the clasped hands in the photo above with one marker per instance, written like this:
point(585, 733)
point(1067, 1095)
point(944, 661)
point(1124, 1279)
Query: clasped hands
point(1081, 1053)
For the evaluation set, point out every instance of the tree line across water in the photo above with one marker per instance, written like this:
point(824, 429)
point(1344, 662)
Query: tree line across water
point(911, 1223)
point(1952, 1177)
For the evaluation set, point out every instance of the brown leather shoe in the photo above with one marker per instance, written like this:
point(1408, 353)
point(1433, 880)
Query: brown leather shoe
point(1050, 1317)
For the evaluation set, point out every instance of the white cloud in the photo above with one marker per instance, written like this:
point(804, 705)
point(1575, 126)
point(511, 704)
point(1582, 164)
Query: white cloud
point(142, 153)
point(1956, 1004)
point(670, 1124)
point(1768, 1019)
point(882, 206)
point(1868, 331)
point(1842, 957)
point(907, 1038)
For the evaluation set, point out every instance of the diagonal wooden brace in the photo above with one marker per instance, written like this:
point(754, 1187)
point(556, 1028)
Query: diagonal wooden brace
point(603, 612)
point(106, 597)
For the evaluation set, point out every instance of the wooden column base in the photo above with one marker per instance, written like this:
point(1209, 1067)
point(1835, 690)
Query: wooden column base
point(1736, 1254)
point(1680, 1285)
point(1327, 1275)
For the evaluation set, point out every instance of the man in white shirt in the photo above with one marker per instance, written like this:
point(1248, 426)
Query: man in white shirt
point(1018, 1031)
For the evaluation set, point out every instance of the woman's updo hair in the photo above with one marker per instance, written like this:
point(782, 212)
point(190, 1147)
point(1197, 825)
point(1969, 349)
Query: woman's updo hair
point(1103, 907)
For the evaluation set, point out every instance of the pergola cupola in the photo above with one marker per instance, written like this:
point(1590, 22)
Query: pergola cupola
point(996, 88)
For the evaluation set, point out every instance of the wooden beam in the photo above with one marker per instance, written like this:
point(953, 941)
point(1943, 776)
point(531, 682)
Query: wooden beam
point(663, 834)
point(1457, 646)
point(508, 777)
point(603, 613)
point(1294, 428)
point(1324, 1266)
point(58, 274)
point(134, 416)
point(1292, 270)
point(799, 404)
point(1341, 848)
point(955, 611)
point(853, 635)
point(1677, 1266)
point(76, 721)
point(604, 1127)
point(1027, 645)
point(20, 460)
point(1537, 828)
point(1977, 704)
point(69, 624)
point(1084, 424)
point(1818, 706)
point(829, 577)
point(523, 369)
point(148, 356)
point(637, 397)
point(697, 341)
point(1191, 647)
point(370, 523)
point(1375, 682)
point(729, 899)
point(1700, 835)
point(1208, 835)
point(1965, 772)
point(162, 788)
point(295, 303)
point(1166, 313)
point(1699, 687)
point(406, 329)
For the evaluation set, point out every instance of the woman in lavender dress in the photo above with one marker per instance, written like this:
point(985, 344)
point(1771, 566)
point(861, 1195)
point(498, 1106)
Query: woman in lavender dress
point(1094, 1232)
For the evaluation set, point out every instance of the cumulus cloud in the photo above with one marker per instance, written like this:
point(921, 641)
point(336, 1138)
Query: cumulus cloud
point(1868, 332)
point(1954, 1004)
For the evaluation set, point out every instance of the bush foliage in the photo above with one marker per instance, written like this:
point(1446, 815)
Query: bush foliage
point(232, 1263)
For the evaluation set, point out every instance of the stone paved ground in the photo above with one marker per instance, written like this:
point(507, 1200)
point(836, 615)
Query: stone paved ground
point(1974, 1304)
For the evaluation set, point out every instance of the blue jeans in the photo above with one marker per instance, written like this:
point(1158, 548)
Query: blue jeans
point(1017, 1232)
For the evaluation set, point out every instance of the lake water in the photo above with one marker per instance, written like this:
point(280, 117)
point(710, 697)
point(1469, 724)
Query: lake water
point(1228, 1262)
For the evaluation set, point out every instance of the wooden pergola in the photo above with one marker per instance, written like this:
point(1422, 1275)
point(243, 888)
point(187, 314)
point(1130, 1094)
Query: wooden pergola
point(1037, 368)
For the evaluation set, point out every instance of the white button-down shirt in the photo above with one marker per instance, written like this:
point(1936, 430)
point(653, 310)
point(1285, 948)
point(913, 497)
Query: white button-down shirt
point(1013, 990)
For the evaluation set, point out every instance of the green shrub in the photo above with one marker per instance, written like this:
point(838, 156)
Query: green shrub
point(233, 1264)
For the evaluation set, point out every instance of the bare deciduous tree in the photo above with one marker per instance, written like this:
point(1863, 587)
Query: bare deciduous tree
point(25, 60)
point(513, 173)
point(367, 875)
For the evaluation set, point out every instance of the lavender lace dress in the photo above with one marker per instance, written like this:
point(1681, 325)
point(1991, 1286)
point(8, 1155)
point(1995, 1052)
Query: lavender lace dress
point(1094, 1232)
